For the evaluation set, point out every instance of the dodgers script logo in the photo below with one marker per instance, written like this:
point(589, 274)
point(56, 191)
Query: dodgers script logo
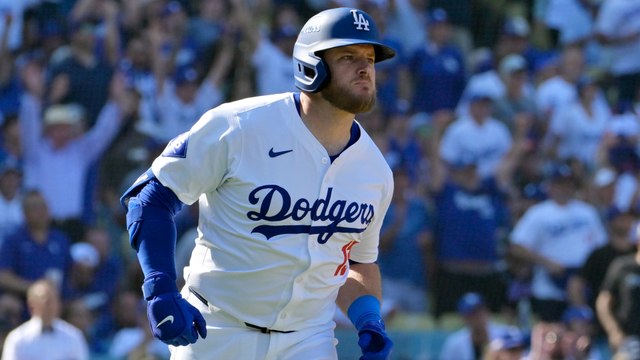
point(360, 20)
point(350, 214)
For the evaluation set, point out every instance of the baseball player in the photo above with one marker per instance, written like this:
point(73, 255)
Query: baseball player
point(292, 193)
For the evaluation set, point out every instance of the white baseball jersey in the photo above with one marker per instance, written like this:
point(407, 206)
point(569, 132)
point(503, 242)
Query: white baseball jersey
point(29, 342)
point(278, 220)
point(553, 93)
point(579, 133)
point(620, 18)
point(565, 234)
point(485, 144)
point(459, 346)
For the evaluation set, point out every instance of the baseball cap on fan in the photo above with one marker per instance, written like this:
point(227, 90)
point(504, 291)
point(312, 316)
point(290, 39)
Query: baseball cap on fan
point(185, 74)
point(561, 172)
point(512, 63)
point(70, 114)
point(85, 254)
point(480, 94)
point(469, 303)
point(516, 26)
point(437, 16)
point(511, 339)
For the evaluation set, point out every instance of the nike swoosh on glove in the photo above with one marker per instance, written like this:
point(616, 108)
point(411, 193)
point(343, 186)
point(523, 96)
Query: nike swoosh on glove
point(373, 341)
point(174, 321)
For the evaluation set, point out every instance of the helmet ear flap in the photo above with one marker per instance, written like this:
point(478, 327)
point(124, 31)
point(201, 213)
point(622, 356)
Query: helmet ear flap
point(311, 77)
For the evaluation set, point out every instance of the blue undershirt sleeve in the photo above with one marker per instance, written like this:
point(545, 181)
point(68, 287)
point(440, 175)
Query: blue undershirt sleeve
point(152, 229)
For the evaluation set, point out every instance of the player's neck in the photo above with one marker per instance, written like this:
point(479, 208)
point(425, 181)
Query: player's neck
point(330, 125)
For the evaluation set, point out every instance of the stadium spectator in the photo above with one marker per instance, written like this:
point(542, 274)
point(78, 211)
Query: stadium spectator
point(45, 332)
point(208, 24)
point(189, 95)
point(471, 219)
point(477, 137)
point(514, 38)
point(462, 14)
point(137, 341)
point(618, 30)
point(556, 236)
point(404, 145)
point(10, 140)
point(12, 314)
point(59, 153)
point(10, 197)
point(585, 284)
point(436, 71)
point(388, 73)
point(621, 156)
point(577, 128)
point(470, 342)
point(407, 22)
point(404, 238)
point(618, 302)
point(10, 88)
point(81, 77)
point(269, 46)
point(561, 89)
point(35, 250)
point(516, 101)
point(77, 313)
point(511, 345)
point(90, 279)
point(578, 341)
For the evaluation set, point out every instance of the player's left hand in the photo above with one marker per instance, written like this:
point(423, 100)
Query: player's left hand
point(174, 321)
point(374, 342)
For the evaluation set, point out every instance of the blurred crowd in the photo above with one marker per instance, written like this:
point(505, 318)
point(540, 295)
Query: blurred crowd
point(512, 128)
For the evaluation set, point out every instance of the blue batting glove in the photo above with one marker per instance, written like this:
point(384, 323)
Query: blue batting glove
point(172, 319)
point(373, 341)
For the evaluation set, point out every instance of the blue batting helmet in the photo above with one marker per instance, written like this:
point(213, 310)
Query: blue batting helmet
point(329, 29)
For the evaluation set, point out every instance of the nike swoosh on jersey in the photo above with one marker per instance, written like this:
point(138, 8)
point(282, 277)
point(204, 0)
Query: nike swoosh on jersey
point(168, 318)
point(278, 153)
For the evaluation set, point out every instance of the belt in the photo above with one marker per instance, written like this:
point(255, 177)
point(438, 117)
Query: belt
point(262, 329)
point(265, 330)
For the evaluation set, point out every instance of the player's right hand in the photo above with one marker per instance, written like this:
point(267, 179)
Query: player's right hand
point(374, 342)
point(174, 321)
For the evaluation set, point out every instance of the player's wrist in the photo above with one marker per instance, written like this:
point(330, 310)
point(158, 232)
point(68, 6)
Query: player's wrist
point(157, 283)
point(365, 309)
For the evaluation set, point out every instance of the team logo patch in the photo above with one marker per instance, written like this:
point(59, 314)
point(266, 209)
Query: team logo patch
point(359, 20)
point(177, 147)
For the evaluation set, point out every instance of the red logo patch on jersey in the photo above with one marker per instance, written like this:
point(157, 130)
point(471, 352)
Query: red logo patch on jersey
point(346, 253)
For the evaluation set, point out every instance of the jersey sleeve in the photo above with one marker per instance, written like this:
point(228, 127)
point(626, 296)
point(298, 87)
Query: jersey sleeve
point(560, 121)
point(197, 161)
point(449, 148)
point(367, 250)
point(524, 232)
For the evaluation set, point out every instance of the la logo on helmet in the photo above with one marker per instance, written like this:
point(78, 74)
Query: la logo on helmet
point(359, 19)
